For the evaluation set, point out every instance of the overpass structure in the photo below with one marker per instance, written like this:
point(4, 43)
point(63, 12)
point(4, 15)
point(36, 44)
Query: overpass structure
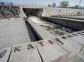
point(35, 37)
point(50, 11)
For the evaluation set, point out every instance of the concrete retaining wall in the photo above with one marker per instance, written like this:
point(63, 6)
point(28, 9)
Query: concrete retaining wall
point(41, 33)
point(62, 12)
point(70, 23)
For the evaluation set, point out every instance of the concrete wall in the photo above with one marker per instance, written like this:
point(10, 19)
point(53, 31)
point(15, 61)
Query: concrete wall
point(70, 23)
point(22, 14)
point(62, 11)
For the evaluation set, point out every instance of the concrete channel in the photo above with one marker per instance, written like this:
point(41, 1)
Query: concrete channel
point(29, 31)
point(32, 34)
point(38, 31)
point(46, 29)
point(66, 22)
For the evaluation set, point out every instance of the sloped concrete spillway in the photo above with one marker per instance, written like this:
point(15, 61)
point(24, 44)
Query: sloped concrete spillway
point(33, 11)
point(16, 45)
point(65, 48)
point(15, 31)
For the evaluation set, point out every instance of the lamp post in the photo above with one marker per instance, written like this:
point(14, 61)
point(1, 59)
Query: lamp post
point(59, 13)
point(79, 3)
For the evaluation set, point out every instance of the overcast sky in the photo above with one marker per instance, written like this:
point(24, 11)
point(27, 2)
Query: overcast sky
point(46, 2)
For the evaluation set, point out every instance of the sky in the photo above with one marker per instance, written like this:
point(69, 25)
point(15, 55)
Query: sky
point(45, 2)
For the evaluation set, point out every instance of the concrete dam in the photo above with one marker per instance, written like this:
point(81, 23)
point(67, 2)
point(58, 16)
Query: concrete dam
point(41, 34)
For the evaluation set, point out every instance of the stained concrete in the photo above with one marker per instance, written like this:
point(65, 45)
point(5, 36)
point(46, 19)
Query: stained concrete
point(71, 46)
point(51, 52)
point(25, 53)
point(41, 33)
point(4, 54)
point(13, 31)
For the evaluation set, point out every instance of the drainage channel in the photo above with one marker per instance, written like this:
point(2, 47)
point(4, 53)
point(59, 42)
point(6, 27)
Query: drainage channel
point(57, 26)
point(51, 27)
point(69, 30)
point(32, 34)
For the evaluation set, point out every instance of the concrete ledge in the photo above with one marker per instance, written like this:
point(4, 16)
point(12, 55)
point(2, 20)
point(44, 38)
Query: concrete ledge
point(42, 33)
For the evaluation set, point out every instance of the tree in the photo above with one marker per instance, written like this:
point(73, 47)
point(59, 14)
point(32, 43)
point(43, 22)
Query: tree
point(49, 5)
point(64, 4)
point(78, 13)
point(53, 4)
point(76, 6)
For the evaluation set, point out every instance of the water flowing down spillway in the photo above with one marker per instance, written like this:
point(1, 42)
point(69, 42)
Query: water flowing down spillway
point(53, 28)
